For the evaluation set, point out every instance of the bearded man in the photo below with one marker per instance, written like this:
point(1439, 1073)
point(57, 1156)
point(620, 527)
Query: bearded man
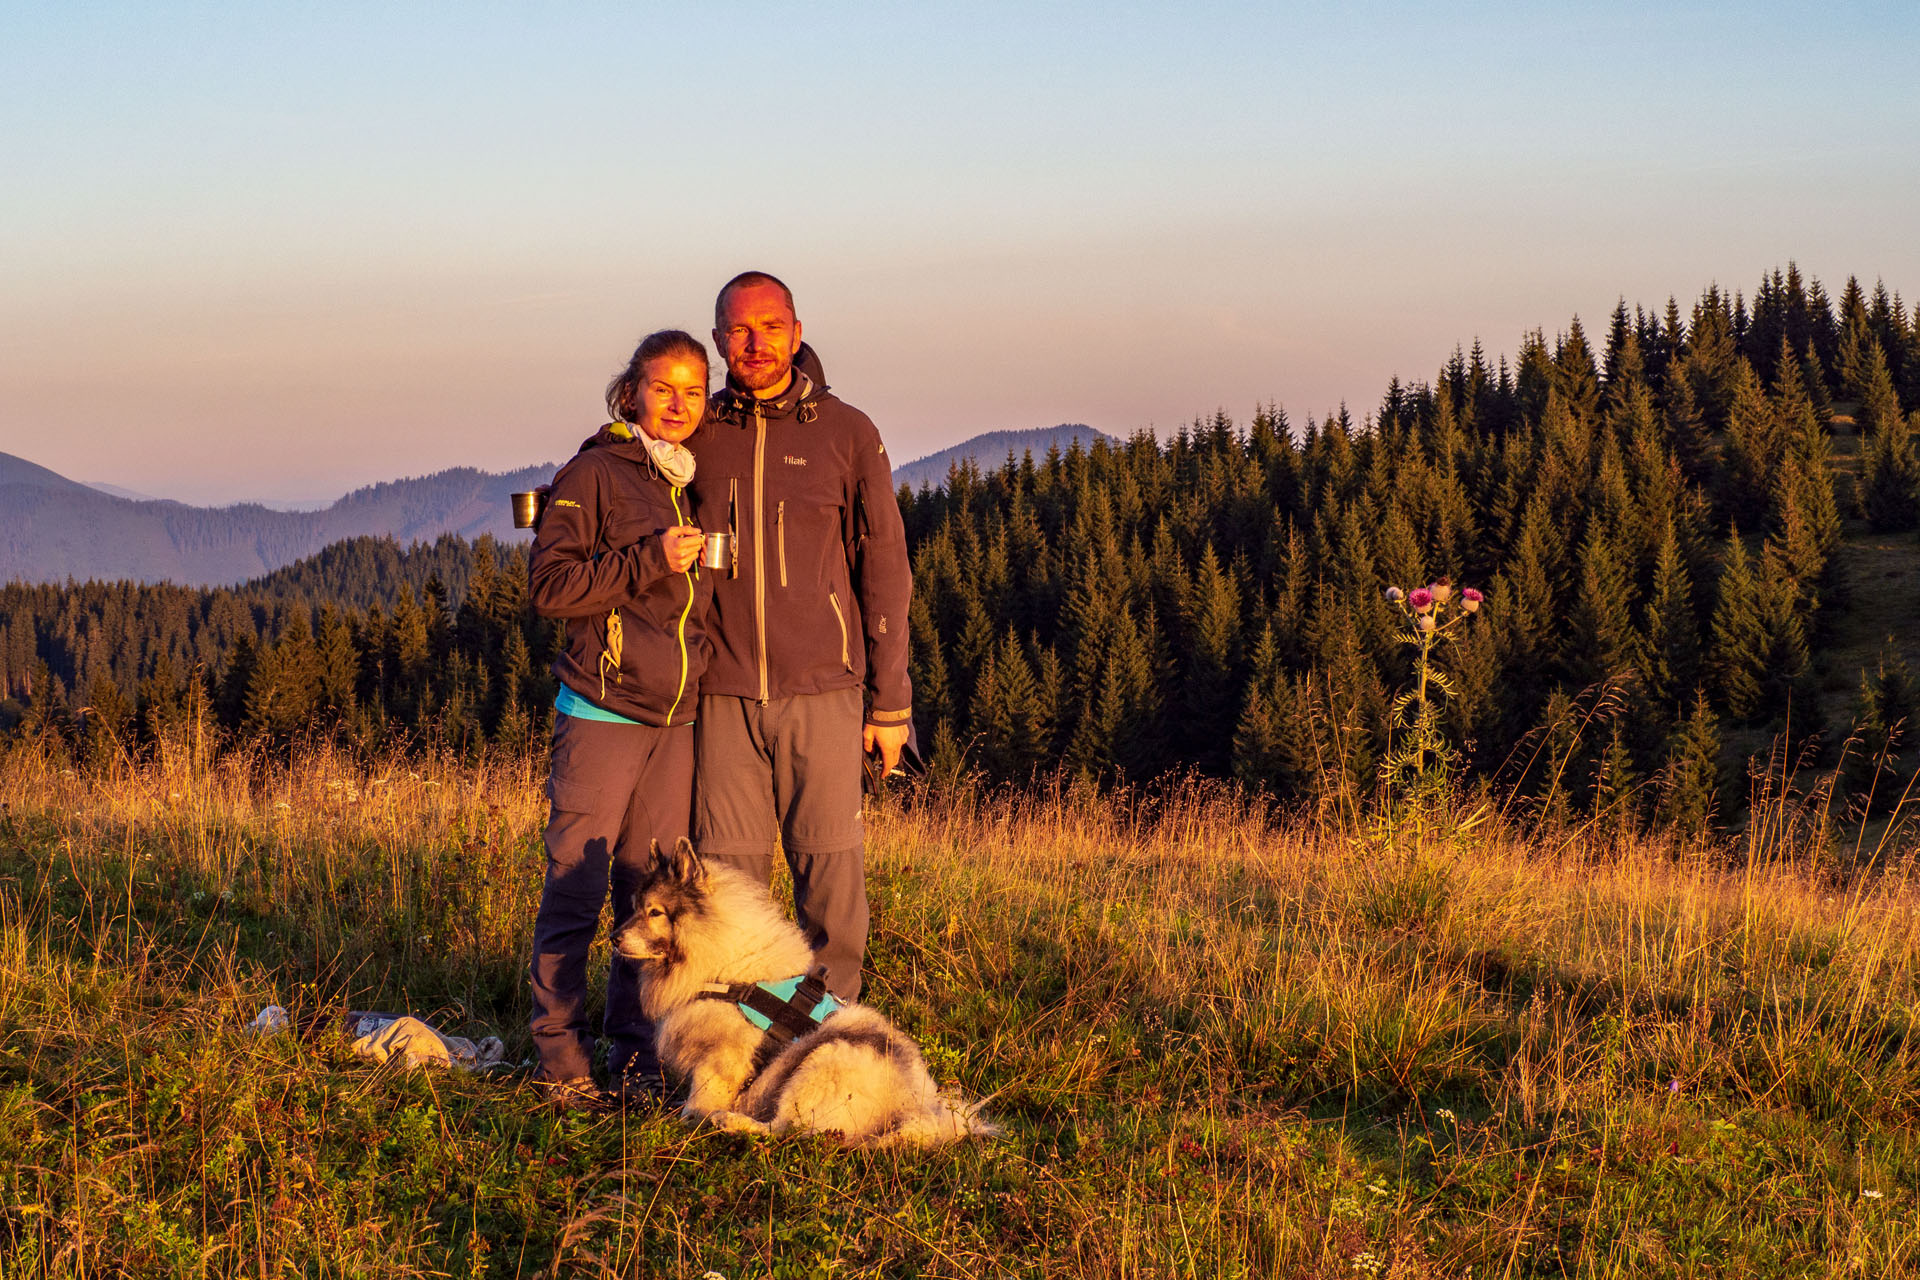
point(809, 622)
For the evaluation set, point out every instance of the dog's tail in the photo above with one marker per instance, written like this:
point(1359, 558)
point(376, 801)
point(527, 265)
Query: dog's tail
point(949, 1119)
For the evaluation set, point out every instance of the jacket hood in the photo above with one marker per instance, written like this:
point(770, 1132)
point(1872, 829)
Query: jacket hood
point(619, 437)
point(808, 362)
point(801, 398)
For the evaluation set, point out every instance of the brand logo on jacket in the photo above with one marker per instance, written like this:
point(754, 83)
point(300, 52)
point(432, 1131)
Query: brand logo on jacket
point(792, 461)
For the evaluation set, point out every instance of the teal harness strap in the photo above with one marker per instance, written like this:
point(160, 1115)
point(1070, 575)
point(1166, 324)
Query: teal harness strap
point(786, 993)
point(784, 1010)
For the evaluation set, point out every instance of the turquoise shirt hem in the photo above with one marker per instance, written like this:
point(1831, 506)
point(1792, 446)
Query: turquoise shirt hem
point(569, 703)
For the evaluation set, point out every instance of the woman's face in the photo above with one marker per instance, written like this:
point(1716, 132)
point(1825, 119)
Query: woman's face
point(673, 395)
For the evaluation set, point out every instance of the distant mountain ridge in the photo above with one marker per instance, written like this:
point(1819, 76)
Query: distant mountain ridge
point(56, 528)
point(990, 450)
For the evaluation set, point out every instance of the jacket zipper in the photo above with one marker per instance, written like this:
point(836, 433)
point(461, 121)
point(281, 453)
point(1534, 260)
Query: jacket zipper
point(780, 523)
point(759, 529)
point(833, 598)
point(680, 629)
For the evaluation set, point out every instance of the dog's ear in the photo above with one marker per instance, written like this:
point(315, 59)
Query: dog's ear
point(662, 865)
point(686, 865)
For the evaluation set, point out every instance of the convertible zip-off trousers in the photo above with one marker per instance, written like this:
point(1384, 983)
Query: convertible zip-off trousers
point(615, 789)
point(789, 769)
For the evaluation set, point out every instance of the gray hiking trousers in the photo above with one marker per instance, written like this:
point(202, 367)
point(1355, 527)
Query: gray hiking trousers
point(615, 789)
point(789, 771)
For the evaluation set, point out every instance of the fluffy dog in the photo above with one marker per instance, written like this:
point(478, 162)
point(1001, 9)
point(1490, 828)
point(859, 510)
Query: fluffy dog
point(698, 928)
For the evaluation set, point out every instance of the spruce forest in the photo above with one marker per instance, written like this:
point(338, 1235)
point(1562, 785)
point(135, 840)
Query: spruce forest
point(1695, 533)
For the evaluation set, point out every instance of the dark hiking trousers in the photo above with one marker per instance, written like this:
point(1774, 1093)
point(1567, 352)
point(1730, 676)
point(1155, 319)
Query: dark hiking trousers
point(615, 789)
point(789, 769)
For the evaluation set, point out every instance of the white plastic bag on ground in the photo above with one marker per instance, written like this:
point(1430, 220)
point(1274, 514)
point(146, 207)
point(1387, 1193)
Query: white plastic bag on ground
point(380, 1036)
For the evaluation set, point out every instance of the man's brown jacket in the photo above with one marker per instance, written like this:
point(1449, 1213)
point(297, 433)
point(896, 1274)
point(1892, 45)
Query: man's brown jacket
point(818, 594)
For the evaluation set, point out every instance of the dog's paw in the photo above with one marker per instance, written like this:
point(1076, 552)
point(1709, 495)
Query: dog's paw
point(736, 1122)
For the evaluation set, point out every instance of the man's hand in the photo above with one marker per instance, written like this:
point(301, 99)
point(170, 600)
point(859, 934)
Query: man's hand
point(889, 741)
point(682, 545)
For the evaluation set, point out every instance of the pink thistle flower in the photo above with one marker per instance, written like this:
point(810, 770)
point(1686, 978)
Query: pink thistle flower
point(1470, 599)
point(1421, 599)
point(1396, 595)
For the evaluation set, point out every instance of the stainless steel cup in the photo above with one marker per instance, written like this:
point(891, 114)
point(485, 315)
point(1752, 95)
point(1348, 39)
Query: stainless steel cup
point(527, 508)
point(717, 553)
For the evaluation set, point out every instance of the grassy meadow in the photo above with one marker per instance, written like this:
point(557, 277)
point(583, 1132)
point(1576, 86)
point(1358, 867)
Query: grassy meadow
point(1223, 1042)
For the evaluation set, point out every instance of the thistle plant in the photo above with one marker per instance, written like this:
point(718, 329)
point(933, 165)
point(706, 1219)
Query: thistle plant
point(1418, 768)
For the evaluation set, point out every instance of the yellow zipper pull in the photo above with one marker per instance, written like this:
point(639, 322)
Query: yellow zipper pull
point(610, 656)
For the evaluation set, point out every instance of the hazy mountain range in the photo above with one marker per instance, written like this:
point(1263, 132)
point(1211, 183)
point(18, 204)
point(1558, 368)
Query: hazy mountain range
point(53, 528)
point(990, 450)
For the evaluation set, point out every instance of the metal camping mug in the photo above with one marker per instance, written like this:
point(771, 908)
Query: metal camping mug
point(717, 552)
point(527, 507)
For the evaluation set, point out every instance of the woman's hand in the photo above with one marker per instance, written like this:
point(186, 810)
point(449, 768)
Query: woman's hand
point(682, 545)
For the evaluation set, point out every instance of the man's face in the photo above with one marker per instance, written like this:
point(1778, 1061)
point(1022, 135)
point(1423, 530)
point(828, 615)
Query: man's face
point(757, 337)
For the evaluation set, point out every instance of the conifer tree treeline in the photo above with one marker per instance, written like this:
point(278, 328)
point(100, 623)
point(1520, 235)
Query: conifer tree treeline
point(343, 642)
point(1654, 519)
point(1652, 515)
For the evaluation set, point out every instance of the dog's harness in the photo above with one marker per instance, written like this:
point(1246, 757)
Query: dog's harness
point(784, 1011)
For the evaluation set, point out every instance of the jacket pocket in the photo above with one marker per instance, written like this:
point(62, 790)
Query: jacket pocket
point(780, 531)
point(840, 616)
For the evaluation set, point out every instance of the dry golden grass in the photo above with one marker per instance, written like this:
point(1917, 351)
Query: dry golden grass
point(1224, 1041)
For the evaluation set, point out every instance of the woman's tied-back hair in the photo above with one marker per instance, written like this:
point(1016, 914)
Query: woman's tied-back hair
point(623, 393)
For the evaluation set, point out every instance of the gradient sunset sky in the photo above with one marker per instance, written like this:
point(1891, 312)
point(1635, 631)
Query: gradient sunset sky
point(254, 252)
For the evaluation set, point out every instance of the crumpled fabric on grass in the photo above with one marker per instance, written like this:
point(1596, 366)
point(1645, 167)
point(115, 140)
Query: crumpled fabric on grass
point(380, 1037)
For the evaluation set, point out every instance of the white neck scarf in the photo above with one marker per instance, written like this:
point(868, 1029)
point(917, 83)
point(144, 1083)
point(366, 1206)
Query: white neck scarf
point(674, 460)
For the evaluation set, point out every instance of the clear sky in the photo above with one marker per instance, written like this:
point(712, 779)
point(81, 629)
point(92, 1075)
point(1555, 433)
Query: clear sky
point(273, 251)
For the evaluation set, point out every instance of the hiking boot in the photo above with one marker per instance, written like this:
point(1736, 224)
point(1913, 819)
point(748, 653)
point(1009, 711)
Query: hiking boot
point(578, 1094)
point(639, 1088)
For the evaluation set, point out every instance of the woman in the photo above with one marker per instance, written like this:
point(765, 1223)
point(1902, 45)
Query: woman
point(615, 555)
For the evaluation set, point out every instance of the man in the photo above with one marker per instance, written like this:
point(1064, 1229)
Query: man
point(809, 622)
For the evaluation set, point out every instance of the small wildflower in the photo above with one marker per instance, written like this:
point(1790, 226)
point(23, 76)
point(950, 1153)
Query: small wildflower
point(1426, 622)
point(1470, 599)
point(1421, 599)
point(1443, 1114)
point(1396, 595)
point(1673, 1086)
point(1442, 590)
point(1872, 1195)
